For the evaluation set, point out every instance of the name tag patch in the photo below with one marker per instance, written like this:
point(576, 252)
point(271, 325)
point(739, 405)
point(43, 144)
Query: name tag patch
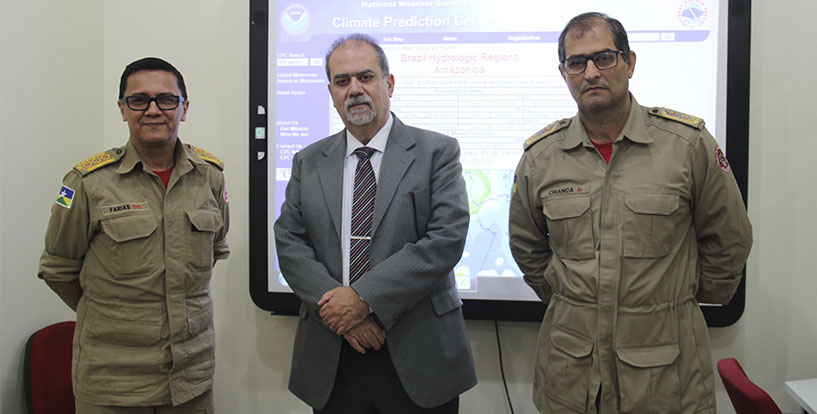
point(120, 208)
point(568, 190)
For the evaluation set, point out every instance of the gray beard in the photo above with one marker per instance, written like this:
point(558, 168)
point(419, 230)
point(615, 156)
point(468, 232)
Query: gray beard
point(362, 118)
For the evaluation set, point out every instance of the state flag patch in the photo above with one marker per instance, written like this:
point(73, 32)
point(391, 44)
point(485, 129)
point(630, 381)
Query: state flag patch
point(66, 197)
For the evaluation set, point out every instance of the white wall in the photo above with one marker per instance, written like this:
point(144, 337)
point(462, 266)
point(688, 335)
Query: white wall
point(777, 335)
point(60, 66)
point(51, 107)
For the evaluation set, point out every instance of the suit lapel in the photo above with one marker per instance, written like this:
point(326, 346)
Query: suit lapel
point(396, 160)
point(331, 178)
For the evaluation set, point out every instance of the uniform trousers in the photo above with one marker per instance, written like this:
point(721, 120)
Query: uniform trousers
point(203, 404)
point(368, 384)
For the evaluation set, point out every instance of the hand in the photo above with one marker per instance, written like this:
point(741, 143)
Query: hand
point(366, 335)
point(69, 292)
point(342, 309)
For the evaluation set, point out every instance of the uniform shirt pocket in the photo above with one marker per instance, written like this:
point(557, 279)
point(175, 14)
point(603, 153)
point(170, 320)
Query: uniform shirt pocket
point(570, 226)
point(132, 250)
point(648, 379)
point(121, 356)
point(200, 321)
point(204, 223)
point(649, 224)
point(201, 345)
point(567, 368)
point(126, 333)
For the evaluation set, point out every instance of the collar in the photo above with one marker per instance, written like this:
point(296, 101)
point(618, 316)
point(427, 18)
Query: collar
point(378, 142)
point(634, 129)
point(185, 158)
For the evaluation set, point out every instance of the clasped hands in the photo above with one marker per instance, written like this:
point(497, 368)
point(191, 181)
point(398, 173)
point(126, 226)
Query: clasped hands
point(346, 314)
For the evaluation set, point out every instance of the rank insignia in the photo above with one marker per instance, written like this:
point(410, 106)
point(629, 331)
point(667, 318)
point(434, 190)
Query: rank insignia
point(721, 158)
point(681, 117)
point(99, 160)
point(544, 132)
point(207, 156)
point(66, 197)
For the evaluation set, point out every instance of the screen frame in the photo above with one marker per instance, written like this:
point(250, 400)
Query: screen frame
point(737, 144)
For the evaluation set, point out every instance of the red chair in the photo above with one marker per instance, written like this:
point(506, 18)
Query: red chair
point(747, 398)
point(48, 370)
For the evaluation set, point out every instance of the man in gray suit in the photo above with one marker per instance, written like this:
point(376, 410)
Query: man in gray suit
point(393, 339)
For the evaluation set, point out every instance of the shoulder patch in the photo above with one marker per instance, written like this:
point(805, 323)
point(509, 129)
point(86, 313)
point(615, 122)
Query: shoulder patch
point(98, 161)
point(66, 196)
point(681, 117)
point(544, 132)
point(207, 156)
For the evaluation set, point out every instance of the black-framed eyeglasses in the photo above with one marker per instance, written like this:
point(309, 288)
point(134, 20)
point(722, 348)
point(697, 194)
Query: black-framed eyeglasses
point(141, 102)
point(606, 59)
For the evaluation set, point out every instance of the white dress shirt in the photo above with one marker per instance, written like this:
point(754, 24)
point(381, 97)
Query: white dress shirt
point(378, 142)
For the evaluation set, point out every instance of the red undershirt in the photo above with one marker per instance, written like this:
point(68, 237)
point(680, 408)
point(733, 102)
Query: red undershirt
point(164, 175)
point(606, 150)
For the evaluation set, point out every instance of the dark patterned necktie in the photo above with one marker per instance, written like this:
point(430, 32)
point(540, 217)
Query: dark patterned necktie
point(362, 209)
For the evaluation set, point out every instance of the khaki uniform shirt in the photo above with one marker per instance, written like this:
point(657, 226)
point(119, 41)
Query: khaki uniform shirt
point(143, 255)
point(624, 251)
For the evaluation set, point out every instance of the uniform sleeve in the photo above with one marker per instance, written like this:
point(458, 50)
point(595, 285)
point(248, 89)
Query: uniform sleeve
point(221, 249)
point(68, 235)
point(721, 223)
point(527, 226)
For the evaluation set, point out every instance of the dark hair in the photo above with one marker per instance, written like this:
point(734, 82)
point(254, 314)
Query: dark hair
point(587, 21)
point(359, 37)
point(150, 63)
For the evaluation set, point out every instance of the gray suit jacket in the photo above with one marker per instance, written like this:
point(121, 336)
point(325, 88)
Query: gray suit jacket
point(418, 235)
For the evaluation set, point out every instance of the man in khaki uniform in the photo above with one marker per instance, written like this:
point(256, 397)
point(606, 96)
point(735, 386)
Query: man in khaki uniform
point(130, 246)
point(624, 217)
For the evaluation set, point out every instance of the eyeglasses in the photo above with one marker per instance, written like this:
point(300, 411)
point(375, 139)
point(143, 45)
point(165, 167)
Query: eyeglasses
point(606, 59)
point(141, 103)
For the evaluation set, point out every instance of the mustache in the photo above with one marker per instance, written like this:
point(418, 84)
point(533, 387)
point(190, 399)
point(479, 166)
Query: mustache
point(357, 101)
point(598, 84)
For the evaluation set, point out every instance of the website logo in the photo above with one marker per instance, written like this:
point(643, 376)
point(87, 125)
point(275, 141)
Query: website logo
point(295, 19)
point(692, 13)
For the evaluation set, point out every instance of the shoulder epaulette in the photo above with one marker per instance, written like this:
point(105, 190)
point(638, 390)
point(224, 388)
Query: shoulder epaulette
point(681, 117)
point(207, 156)
point(544, 132)
point(100, 160)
